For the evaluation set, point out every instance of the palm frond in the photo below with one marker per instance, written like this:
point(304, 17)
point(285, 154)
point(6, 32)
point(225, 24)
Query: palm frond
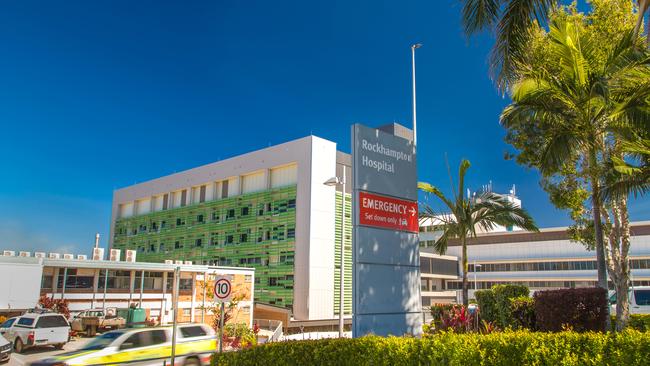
point(479, 15)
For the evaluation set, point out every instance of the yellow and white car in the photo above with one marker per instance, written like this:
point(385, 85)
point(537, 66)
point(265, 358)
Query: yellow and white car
point(195, 343)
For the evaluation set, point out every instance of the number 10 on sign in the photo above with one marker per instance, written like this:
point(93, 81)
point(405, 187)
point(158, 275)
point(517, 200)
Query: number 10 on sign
point(223, 289)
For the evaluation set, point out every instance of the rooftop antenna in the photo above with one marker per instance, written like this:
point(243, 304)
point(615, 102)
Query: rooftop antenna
point(96, 240)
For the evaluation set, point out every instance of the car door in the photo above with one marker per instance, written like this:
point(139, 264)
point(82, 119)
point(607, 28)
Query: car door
point(52, 329)
point(143, 348)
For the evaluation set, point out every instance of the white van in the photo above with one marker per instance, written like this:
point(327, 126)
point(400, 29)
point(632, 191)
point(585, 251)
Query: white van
point(38, 329)
point(639, 300)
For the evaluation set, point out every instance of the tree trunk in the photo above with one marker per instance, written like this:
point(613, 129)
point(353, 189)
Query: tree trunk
point(622, 288)
point(643, 7)
point(601, 263)
point(598, 232)
point(465, 268)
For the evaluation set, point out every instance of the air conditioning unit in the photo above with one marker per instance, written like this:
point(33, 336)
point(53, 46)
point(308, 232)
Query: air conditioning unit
point(115, 255)
point(178, 262)
point(25, 254)
point(188, 263)
point(130, 256)
point(54, 256)
point(169, 261)
point(98, 254)
point(39, 255)
point(82, 257)
point(9, 253)
point(68, 256)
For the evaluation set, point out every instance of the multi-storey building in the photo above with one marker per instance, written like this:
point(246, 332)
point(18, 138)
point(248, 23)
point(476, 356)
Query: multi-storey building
point(544, 260)
point(268, 209)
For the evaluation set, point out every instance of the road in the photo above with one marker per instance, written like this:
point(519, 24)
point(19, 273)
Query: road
point(40, 353)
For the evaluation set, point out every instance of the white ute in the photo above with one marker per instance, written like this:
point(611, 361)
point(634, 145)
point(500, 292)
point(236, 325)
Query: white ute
point(38, 329)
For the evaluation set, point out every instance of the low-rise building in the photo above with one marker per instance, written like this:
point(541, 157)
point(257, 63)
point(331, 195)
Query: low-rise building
point(90, 284)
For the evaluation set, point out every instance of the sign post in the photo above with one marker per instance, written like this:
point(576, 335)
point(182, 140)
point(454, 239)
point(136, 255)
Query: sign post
point(223, 294)
point(386, 257)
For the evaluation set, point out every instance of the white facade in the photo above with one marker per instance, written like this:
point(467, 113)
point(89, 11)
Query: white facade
point(547, 259)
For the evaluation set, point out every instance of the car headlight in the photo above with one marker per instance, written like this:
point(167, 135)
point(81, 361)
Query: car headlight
point(6, 347)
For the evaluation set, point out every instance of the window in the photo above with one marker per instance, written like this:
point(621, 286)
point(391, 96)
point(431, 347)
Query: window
point(185, 284)
point(193, 331)
point(51, 321)
point(198, 243)
point(291, 203)
point(215, 216)
point(184, 198)
point(642, 297)
point(25, 322)
point(8, 323)
point(199, 219)
point(229, 239)
point(243, 238)
point(157, 336)
point(180, 222)
point(163, 224)
point(224, 189)
point(74, 281)
point(291, 233)
point(178, 245)
point(152, 281)
point(230, 214)
point(152, 248)
point(46, 281)
point(134, 341)
point(202, 194)
point(273, 281)
point(244, 211)
point(187, 312)
point(116, 279)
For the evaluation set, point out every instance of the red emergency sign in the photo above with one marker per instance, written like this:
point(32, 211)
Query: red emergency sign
point(388, 213)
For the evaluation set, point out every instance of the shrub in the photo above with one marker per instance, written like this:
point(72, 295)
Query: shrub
point(580, 309)
point(522, 310)
point(502, 296)
point(628, 348)
point(487, 305)
point(640, 322)
point(450, 317)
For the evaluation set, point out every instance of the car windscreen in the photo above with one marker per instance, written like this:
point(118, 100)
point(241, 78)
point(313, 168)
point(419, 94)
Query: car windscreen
point(8, 323)
point(642, 297)
point(26, 322)
point(193, 331)
point(51, 321)
point(102, 341)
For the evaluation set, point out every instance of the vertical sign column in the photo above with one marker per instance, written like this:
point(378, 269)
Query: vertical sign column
point(386, 260)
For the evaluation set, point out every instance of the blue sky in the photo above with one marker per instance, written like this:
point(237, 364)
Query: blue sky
point(96, 95)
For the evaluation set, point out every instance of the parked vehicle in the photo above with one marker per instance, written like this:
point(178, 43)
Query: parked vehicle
point(90, 321)
point(38, 328)
point(5, 349)
point(143, 346)
point(4, 327)
point(639, 300)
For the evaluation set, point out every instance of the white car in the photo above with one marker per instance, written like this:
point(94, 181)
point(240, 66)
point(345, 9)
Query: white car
point(639, 300)
point(5, 349)
point(38, 329)
point(4, 327)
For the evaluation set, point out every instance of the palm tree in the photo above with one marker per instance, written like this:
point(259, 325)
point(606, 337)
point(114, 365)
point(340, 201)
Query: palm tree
point(510, 22)
point(631, 178)
point(577, 111)
point(468, 214)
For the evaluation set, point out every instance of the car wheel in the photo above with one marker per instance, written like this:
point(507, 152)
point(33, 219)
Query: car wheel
point(59, 345)
point(19, 346)
point(192, 362)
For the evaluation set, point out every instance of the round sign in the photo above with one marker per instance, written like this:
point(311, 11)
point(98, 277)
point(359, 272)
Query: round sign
point(222, 289)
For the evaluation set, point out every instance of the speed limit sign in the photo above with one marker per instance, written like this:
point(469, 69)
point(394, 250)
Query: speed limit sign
point(223, 289)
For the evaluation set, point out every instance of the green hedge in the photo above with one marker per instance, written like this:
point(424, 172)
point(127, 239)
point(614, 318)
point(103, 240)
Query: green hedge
point(640, 322)
point(504, 348)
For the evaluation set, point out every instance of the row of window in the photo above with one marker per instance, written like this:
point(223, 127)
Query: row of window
point(216, 217)
point(483, 285)
point(116, 280)
point(549, 266)
point(278, 233)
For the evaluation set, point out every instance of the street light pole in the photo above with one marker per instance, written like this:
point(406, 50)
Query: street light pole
point(415, 127)
point(332, 182)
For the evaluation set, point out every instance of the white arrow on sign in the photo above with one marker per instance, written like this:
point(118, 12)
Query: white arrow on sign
point(413, 212)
